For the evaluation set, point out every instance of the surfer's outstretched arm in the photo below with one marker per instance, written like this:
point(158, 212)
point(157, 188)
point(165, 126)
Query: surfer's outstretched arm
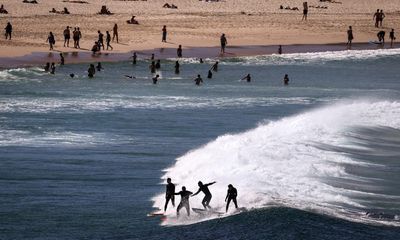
point(196, 193)
point(211, 183)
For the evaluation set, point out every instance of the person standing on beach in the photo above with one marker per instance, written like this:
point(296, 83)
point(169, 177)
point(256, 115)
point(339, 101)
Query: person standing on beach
point(350, 37)
point(376, 18)
point(164, 34)
point(51, 40)
point(179, 51)
point(101, 39)
point(108, 40)
point(115, 32)
point(224, 42)
point(392, 37)
point(67, 36)
point(305, 11)
point(75, 37)
point(79, 38)
point(8, 29)
point(169, 194)
point(280, 49)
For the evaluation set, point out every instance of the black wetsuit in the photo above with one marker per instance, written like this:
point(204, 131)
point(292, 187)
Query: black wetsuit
point(207, 193)
point(177, 68)
point(169, 195)
point(231, 196)
point(184, 201)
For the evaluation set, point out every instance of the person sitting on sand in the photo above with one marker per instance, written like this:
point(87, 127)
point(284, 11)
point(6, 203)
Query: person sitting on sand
point(104, 10)
point(132, 21)
point(65, 11)
point(53, 10)
point(3, 10)
point(33, 1)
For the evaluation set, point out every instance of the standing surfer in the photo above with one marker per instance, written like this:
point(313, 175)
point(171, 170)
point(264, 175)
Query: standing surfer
point(207, 198)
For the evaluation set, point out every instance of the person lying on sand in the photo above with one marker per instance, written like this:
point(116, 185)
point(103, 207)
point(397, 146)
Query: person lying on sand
point(132, 21)
point(167, 5)
point(33, 1)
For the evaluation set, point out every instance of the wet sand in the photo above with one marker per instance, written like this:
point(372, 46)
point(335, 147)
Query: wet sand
point(40, 58)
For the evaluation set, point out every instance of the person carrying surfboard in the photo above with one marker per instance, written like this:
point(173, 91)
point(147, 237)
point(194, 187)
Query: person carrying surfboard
point(184, 200)
point(207, 198)
point(231, 196)
point(169, 193)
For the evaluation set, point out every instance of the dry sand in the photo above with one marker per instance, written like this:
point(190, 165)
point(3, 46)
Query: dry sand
point(194, 24)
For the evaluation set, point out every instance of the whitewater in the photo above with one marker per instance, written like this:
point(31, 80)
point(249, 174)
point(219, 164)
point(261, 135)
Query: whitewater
point(287, 163)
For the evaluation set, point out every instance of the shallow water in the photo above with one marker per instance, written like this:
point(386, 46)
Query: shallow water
point(85, 158)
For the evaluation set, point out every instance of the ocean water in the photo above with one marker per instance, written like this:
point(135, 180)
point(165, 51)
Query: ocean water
point(319, 159)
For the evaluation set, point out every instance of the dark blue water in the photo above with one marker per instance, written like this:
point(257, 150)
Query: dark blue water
point(82, 158)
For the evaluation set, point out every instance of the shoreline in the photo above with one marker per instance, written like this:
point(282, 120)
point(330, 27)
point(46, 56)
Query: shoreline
point(77, 57)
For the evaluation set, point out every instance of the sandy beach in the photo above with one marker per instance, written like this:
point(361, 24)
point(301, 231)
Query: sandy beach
point(193, 24)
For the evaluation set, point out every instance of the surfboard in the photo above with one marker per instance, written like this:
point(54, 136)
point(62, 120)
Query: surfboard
point(156, 214)
point(375, 42)
point(204, 212)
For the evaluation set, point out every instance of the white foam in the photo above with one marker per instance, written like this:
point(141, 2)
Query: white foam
point(279, 162)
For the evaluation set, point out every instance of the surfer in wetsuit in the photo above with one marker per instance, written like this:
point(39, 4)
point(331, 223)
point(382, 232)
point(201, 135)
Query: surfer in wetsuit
point(207, 198)
point(198, 80)
point(231, 196)
point(169, 193)
point(184, 200)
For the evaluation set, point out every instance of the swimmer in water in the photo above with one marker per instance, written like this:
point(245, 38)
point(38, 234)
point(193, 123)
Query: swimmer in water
point(155, 79)
point(248, 78)
point(198, 80)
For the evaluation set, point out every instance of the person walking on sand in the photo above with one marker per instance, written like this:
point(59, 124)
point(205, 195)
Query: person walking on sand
point(392, 37)
point(169, 194)
point(376, 18)
point(51, 40)
point(350, 37)
point(67, 36)
point(224, 42)
point(231, 196)
point(8, 29)
point(100, 41)
point(115, 32)
point(179, 51)
point(108, 40)
point(381, 17)
point(305, 11)
point(164, 34)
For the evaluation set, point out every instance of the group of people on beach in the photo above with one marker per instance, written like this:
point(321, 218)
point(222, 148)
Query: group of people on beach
point(186, 194)
point(381, 37)
point(378, 17)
